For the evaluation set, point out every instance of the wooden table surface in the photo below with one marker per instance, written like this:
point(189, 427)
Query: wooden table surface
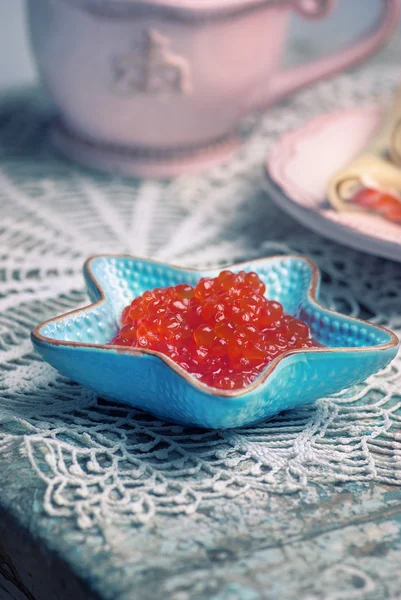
point(341, 542)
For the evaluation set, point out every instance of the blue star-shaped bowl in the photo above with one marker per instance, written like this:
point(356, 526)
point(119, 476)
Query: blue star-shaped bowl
point(76, 345)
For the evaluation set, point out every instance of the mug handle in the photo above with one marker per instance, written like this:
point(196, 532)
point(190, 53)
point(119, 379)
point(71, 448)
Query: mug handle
point(294, 78)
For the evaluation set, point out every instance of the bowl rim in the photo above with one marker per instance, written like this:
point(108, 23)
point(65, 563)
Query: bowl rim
point(198, 10)
point(38, 337)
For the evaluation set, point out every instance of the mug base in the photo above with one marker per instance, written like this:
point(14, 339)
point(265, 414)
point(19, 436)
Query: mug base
point(141, 162)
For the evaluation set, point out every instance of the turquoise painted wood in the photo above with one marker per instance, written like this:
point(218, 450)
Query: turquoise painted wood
point(336, 543)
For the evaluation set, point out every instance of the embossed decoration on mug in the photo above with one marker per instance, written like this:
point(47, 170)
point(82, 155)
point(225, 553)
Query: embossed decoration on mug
point(151, 69)
point(160, 87)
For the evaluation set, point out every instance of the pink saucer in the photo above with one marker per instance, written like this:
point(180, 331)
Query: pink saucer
point(300, 164)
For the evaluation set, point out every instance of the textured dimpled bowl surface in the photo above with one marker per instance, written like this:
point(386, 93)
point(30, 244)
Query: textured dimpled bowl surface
point(76, 344)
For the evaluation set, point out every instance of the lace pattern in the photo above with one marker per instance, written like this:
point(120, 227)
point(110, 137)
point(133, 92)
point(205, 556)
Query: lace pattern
point(103, 463)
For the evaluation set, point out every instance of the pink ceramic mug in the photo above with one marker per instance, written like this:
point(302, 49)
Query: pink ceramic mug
point(158, 87)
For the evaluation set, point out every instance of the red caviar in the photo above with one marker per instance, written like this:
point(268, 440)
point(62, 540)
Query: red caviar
point(383, 203)
point(224, 331)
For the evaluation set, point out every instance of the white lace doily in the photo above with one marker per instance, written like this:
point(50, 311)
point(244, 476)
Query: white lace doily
point(104, 463)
